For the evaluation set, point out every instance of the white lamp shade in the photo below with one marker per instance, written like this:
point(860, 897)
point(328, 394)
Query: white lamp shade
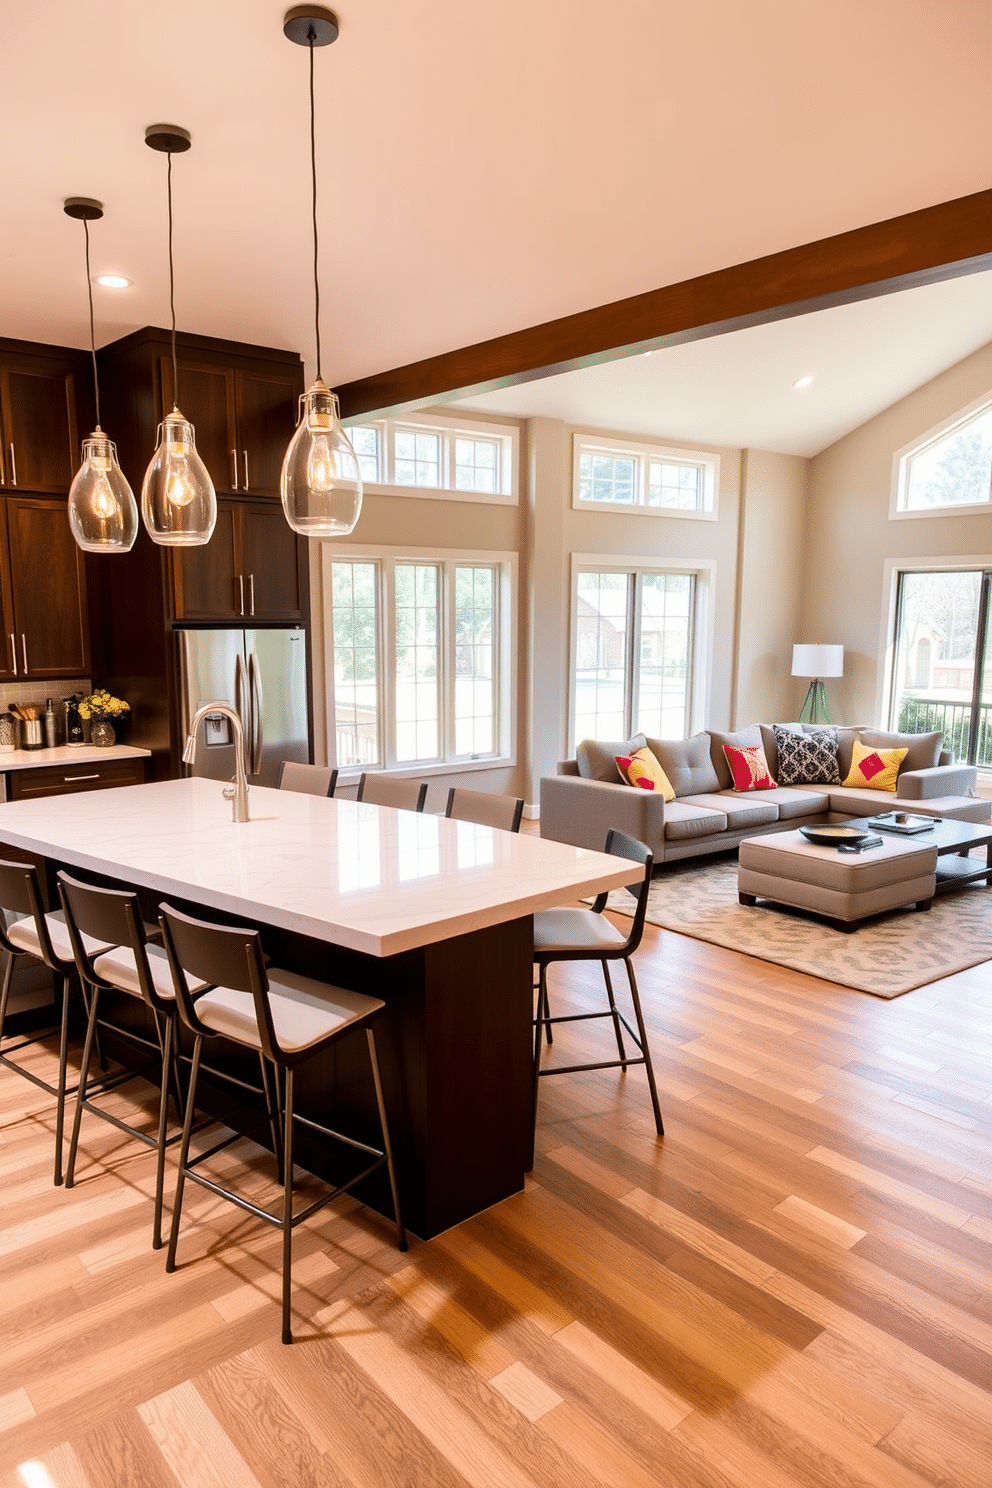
point(818, 661)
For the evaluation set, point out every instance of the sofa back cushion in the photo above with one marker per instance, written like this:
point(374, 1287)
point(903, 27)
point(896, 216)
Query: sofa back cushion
point(598, 761)
point(922, 750)
point(687, 763)
point(749, 738)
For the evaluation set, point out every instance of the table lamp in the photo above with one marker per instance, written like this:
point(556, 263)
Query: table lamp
point(816, 662)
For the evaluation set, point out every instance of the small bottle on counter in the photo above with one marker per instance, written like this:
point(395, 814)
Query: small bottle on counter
point(51, 738)
point(73, 722)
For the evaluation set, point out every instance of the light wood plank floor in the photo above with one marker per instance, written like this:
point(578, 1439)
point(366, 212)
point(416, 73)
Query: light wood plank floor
point(791, 1289)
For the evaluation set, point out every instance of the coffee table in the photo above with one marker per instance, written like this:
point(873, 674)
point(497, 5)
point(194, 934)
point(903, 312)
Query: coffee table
point(953, 841)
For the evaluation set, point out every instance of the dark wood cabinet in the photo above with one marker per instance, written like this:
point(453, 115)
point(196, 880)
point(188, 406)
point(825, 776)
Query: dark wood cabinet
point(244, 418)
point(67, 780)
point(43, 582)
point(248, 571)
point(38, 421)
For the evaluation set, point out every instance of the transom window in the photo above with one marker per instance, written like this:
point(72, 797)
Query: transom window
point(419, 659)
point(633, 653)
point(617, 475)
point(952, 468)
point(430, 456)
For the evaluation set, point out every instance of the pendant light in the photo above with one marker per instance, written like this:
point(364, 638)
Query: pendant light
point(321, 483)
point(102, 510)
point(178, 503)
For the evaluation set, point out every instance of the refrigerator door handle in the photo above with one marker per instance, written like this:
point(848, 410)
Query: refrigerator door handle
point(184, 713)
point(239, 701)
point(255, 679)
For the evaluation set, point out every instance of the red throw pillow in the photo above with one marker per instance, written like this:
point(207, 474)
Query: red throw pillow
point(749, 768)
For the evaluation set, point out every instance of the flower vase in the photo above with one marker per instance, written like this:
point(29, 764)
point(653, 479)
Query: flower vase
point(102, 733)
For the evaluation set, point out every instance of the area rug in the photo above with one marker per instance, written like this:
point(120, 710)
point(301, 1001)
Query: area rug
point(886, 956)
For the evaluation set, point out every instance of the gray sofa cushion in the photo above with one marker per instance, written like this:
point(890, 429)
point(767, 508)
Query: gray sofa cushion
point(924, 749)
point(749, 738)
point(687, 764)
point(793, 802)
point(807, 759)
point(598, 761)
point(692, 821)
point(742, 809)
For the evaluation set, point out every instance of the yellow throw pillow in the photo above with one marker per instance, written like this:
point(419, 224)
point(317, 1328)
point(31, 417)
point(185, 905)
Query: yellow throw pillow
point(876, 769)
point(642, 769)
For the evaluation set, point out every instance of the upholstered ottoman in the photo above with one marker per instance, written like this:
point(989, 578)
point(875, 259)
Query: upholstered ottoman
point(847, 887)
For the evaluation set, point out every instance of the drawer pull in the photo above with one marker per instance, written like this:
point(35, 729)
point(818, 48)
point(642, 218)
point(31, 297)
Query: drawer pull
point(246, 470)
point(234, 462)
point(13, 464)
point(94, 776)
point(13, 652)
point(24, 650)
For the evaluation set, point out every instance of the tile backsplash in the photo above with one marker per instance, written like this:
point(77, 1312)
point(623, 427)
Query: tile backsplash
point(55, 688)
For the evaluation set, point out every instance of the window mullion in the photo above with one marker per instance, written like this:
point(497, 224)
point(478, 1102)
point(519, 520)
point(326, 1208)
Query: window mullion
point(634, 592)
point(446, 659)
point(389, 664)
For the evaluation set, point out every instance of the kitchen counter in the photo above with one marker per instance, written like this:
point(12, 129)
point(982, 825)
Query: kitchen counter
point(65, 754)
point(431, 915)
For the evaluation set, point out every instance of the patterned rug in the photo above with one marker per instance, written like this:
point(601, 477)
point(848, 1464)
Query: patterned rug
point(885, 956)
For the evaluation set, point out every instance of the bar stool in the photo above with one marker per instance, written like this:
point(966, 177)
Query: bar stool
point(110, 946)
point(587, 935)
point(288, 1019)
point(388, 790)
point(308, 780)
point(46, 938)
point(487, 810)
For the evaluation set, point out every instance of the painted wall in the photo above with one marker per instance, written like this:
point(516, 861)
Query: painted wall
point(851, 537)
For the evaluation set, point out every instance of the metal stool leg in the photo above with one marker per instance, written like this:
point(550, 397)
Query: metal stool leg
point(645, 1049)
point(163, 1121)
point(616, 1016)
point(287, 1212)
point(81, 1088)
point(60, 1095)
point(272, 1110)
point(386, 1143)
point(177, 1207)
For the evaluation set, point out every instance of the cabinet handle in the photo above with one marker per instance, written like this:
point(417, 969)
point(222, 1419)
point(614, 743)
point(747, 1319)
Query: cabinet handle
point(234, 463)
point(95, 776)
point(251, 594)
point(241, 592)
point(247, 481)
point(24, 651)
point(13, 651)
point(13, 465)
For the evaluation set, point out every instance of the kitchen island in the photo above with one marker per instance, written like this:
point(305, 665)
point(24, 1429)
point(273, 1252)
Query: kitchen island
point(433, 916)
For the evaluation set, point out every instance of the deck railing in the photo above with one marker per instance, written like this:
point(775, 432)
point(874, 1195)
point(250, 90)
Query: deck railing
point(923, 715)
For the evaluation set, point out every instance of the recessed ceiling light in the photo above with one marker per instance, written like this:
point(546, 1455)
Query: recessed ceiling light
point(802, 382)
point(112, 281)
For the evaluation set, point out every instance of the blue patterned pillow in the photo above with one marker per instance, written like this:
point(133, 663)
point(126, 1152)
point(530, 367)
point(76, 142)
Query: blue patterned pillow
point(807, 759)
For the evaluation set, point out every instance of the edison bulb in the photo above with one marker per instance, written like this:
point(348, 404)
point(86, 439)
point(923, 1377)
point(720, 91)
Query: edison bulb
point(178, 502)
point(321, 483)
point(103, 515)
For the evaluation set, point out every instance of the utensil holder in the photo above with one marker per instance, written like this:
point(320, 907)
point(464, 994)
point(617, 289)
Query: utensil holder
point(33, 733)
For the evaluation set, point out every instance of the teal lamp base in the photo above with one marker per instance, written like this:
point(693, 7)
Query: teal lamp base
point(814, 708)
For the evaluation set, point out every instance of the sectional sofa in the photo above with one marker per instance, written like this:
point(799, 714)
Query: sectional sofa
point(587, 797)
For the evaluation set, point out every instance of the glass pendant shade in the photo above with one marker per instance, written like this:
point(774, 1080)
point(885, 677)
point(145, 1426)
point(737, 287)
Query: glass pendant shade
point(103, 514)
point(321, 483)
point(178, 503)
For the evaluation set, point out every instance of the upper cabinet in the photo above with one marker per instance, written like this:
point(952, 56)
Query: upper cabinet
point(42, 593)
point(39, 438)
point(244, 418)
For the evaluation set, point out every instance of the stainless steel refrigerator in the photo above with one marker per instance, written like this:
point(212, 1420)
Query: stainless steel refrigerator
point(261, 673)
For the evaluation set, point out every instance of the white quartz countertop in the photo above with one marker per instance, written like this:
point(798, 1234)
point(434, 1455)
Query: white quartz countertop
point(68, 754)
point(367, 877)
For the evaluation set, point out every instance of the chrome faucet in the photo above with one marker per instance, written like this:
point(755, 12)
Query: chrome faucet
point(237, 791)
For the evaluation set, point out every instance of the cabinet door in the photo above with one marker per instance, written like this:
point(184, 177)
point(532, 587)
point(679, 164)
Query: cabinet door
point(48, 585)
point(206, 397)
point(41, 452)
point(268, 553)
point(266, 407)
point(10, 667)
point(205, 581)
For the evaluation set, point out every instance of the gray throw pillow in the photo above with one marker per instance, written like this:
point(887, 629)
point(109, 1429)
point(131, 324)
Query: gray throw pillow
point(807, 759)
point(687, 764)
point(749, 738)
point(923, 749)
point(598, 761)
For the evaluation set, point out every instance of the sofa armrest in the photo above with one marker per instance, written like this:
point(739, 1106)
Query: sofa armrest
point(581, 811)
point(941, 780)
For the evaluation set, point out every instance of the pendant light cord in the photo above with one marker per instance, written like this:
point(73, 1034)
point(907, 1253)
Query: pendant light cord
point(89, 286)
point(172, 295)
point(311, 38)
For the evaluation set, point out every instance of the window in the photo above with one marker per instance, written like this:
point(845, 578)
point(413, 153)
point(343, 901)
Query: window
point(616, 475)
point(950, 469)
point(633, 637)
point(942, 660)
point(420, 657)
point(429, 455)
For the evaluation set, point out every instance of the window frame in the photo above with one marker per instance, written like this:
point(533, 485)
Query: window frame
point(703, 573)
point(898, 511)
point(446, 560)
point(645, 453)
point(505, 436)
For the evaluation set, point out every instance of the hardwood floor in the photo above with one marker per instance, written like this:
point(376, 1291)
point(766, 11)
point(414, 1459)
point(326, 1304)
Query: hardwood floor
point(791, 1288)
